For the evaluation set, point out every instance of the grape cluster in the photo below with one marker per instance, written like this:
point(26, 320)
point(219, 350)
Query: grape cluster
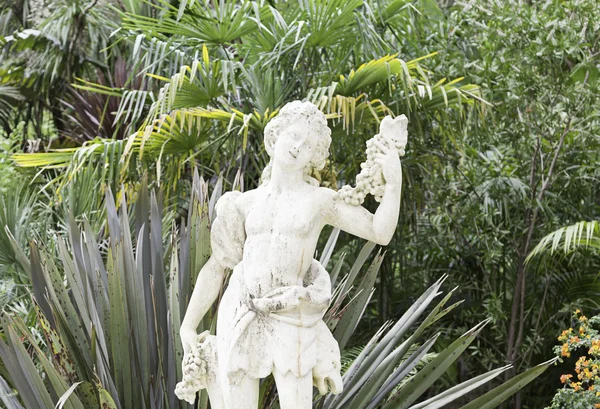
point(370, 179)
point(197, 369)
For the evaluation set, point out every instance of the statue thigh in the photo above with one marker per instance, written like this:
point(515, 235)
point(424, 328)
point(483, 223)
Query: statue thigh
point(241, 395)
point(294, 392)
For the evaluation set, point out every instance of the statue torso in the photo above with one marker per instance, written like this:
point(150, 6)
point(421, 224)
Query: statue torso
point(282, 229)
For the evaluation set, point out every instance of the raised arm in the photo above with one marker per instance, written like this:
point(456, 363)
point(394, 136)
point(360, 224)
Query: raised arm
point(207, 288)
point(357, 220)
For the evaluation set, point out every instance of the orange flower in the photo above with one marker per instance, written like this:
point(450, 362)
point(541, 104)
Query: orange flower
point(565, 378)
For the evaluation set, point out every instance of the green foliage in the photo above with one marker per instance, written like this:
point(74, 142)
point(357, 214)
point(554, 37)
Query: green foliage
point(110, 309)
point(193, 83)
point(569, 399)
point(217, 72)
point(527, 169)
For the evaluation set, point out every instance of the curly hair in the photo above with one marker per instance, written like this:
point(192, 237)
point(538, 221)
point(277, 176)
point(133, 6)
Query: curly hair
point(316, 127)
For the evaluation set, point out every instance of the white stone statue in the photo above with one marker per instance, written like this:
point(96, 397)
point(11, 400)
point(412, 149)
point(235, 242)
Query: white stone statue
point(270, 319)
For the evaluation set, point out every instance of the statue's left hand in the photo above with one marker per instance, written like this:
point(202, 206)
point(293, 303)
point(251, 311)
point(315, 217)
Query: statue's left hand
point(389, 161)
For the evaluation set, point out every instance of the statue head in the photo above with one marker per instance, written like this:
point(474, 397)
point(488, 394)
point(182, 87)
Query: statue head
point(298, 136)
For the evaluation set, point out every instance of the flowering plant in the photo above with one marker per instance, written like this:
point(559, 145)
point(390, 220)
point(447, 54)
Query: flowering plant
point(581, 388)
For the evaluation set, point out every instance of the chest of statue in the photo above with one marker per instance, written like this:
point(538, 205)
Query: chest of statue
point(289, 214)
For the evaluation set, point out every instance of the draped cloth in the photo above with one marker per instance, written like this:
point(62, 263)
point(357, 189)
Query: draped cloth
point(255, 343)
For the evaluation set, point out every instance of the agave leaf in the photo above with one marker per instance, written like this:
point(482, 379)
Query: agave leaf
point(373, 392)
point(119, 325)
point(7, 396)
point(20, 255)
point(61, 355)
point(357, 307)
point(87, 393)
point(106, 400)
point(356, 267)
point(134, 298)
point(174, 311)
point(450, 395)
point(140, 309)
point(387, 367)
point(329, 247)
point(392, 338)
point(23, 384)
point(18, 362)
point(433, 370)
point(38, 282)
point(336, 270)
point(66, 395)
point(68, 318)
point(361, 370)
point(499, 394)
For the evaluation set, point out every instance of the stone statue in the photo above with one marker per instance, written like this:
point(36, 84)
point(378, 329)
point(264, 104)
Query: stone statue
point(270, 319)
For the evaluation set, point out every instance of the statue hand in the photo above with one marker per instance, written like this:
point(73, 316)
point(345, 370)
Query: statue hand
point(389, 161)
point(188, 339)
point(282, 298)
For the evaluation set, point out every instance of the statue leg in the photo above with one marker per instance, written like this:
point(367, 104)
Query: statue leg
point(294, 392)
point(243, 394)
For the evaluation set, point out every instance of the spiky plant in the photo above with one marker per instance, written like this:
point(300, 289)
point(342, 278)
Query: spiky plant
point(109, 308)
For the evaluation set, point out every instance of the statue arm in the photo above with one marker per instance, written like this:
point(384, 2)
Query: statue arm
point(379, 227)
point(357, 220)
point(207, 288)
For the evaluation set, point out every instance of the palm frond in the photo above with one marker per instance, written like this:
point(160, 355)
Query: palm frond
point(202, 22)
point(328, 21)
point(584, 234)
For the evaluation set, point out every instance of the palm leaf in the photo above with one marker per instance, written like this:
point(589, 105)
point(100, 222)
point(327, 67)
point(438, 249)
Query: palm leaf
point(582, 234)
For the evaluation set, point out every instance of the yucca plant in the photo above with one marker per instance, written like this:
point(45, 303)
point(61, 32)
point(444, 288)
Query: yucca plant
point(109, 308)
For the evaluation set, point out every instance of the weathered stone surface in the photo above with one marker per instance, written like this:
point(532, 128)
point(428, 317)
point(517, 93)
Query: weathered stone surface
point(270, 316)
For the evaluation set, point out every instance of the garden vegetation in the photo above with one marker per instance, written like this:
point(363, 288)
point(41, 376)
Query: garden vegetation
point(123, 121)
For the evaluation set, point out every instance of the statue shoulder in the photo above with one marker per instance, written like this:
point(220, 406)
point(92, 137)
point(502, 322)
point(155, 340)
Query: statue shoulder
point(326, 195)
point(237, 202)
point(228, 202)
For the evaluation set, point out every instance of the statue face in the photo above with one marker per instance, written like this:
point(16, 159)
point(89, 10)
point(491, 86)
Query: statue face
point(294, 147)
